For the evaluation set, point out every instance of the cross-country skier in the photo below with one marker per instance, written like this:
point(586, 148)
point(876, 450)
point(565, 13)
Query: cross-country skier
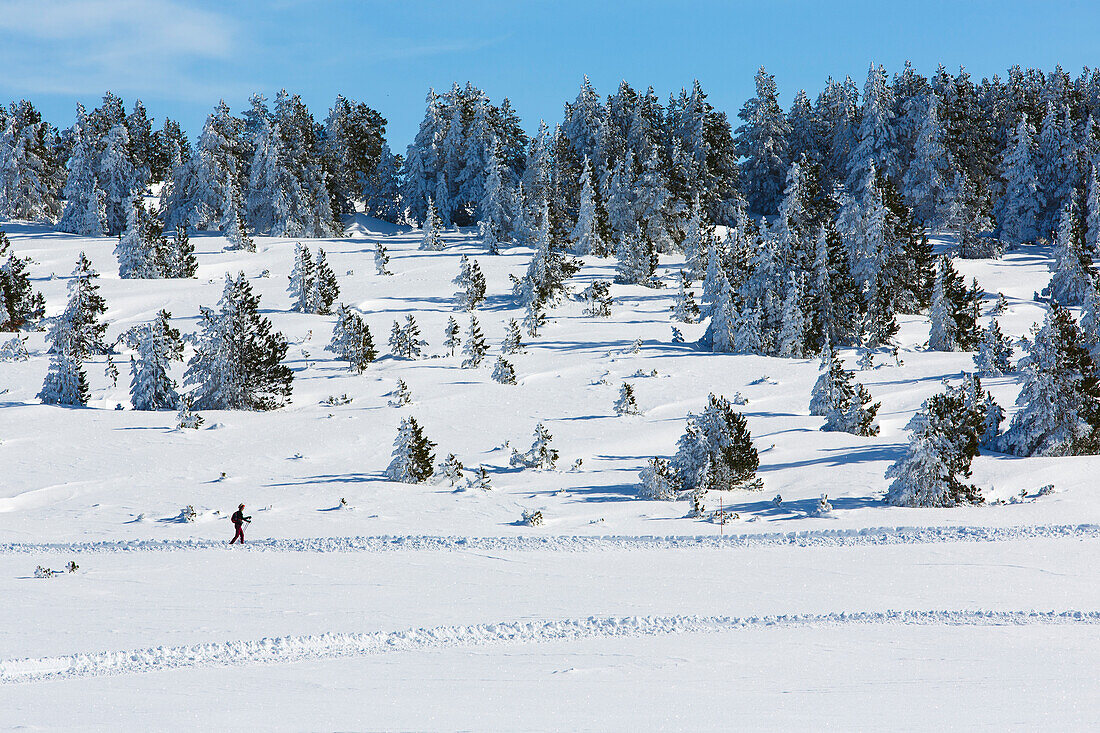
point(238, 520)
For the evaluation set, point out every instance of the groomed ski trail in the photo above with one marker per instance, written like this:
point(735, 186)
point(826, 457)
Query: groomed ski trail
point(420, 543)
point(289, 649)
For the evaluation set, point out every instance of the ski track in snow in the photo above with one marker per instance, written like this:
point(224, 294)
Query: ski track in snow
point(418, 543)
point(289, 649)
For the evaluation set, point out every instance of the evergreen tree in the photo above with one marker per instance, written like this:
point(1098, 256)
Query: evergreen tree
point(325, 288)
point(716, 450)
point(586, 236)
point(513, 340)
point(302, 280)
point(19, 303)
point(845, 405)
point(381, 259)
point(451, 469)
point(1059, 403)
point(658, 482)
point(117, 177)
point(401, 395)
point(475, 347)
point(480, 480)
point(626, 404)
point(1072, 269)
point(432, 240)
point(503, 371)
point(83, 332)
point(413, 458)
point(721, 333)
point(994, 356)
point(495, 200)
point(792, 336)
point(954, 312)
point(1019, 206)
point(637, 258)
point(540, 455)
point(205, 190)
point(471, 283)
point(178, 258)
point(876, 146)
point(685, 309)
point(137, 247)
point(762, 141)
point(927, 185)
point(237, 363)
point(234, 224)
point(452, 340)
point(31, 174)
point(85, 203)
point(944, 438)
point(65, 383)
point(351, 340)
point(157, 345)
point(405, 341)
point(598, 299)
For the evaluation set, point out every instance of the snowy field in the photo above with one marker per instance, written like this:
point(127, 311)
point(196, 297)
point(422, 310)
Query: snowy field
point(423, 607)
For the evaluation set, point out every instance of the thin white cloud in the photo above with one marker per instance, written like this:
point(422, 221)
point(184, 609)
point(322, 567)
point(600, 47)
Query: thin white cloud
point(134, 46)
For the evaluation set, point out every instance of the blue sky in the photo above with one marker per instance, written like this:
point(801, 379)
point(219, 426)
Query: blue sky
point(181, 56)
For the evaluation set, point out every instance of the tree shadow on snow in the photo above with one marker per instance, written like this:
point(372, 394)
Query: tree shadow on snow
point(843, 456)
point(793, 509)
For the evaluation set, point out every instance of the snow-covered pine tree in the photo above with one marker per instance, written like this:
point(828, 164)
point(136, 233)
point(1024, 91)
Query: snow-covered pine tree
point(598, 299)
point(185, 418)
point(846, 405)
point(503, 371)
point(685, 309)
point(792, 334)
point(31, 175)
point(199, 190)
point(432, 241)
point(1090, 319)
point(1059, 402)
point(480, 480)
point(117, 177)
point(637, 258)
point(944, 438)
point(20, 305)
point(587, 237)
point(475, 347)
point(65, 382)
point(80, 318)
point(716, 450)
point(237, 363)
point(85, 210)
point(821, 394)
point(748, 337)
point(763, 143)
point(351, 340)
point(157, 345)
point(721, 333)
point(540, 455)
point(136, 250)
point(413, 459)
point(697, 238)
point(381, 259)
point(994, 356)
point(657, 481)
point(1071, 273)
point(177, 258)
point(451, 469)
point(954, 311)
point(495, 201)
point(513, 339)
point(451, 338)
point(471, 284)
point(400, 396)
point(927, 185)
point(325, 288)
point(234, 223)
point(626, 404)
point(301, 279)
point(876, 144)
point(1018, 208)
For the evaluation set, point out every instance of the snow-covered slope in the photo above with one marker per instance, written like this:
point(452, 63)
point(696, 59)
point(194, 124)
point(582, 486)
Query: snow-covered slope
point(77, 482)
